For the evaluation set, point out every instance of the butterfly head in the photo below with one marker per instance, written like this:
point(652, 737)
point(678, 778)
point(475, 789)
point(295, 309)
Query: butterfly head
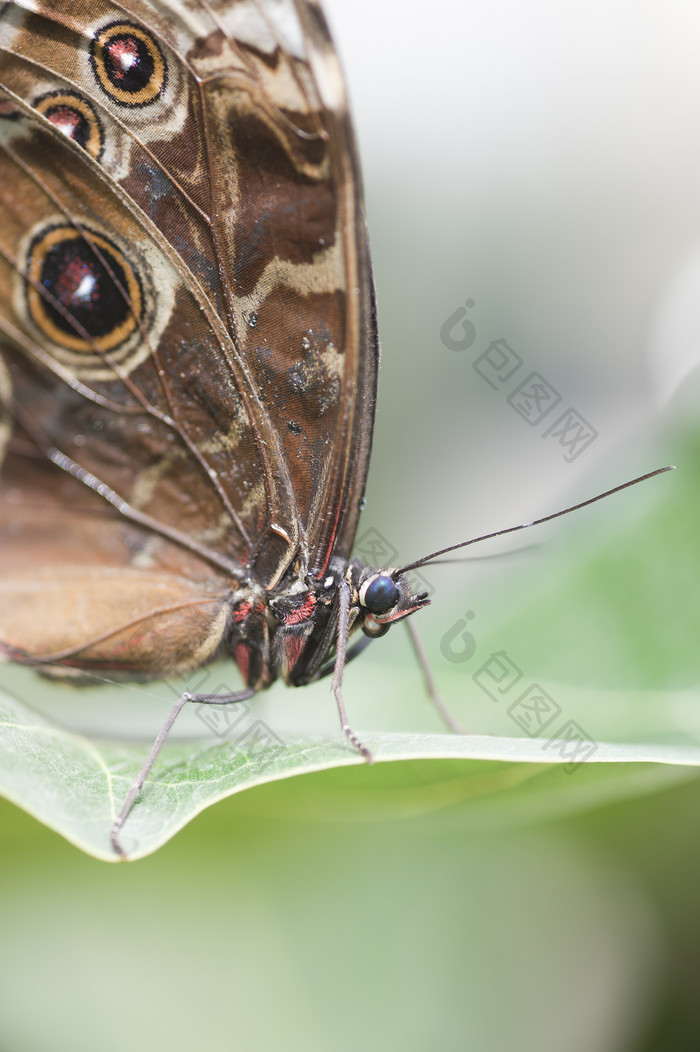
point(384, 597)
point(307, 615)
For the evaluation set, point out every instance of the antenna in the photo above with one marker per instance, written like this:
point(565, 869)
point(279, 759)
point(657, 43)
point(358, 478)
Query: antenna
point(426, 560)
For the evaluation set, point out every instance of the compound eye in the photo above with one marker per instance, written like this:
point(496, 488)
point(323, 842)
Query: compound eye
point(379, 594)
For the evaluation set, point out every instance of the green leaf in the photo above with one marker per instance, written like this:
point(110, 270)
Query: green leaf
point(75, 785)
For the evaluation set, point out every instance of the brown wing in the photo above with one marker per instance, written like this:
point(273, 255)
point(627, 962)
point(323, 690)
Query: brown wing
point(185, 307)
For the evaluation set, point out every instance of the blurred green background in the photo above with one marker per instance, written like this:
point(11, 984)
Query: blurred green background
point(542, 160)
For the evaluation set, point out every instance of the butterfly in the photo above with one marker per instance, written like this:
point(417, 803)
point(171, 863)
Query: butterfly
point(188, 345)
point(188, 349)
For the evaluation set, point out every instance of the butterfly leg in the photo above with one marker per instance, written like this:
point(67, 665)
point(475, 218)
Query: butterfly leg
point(138, 782)
point(430, 682)
point(355, 650)
point(340, 660)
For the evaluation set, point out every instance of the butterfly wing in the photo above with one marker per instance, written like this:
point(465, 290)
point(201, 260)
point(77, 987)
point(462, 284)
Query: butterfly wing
point(187, 341)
